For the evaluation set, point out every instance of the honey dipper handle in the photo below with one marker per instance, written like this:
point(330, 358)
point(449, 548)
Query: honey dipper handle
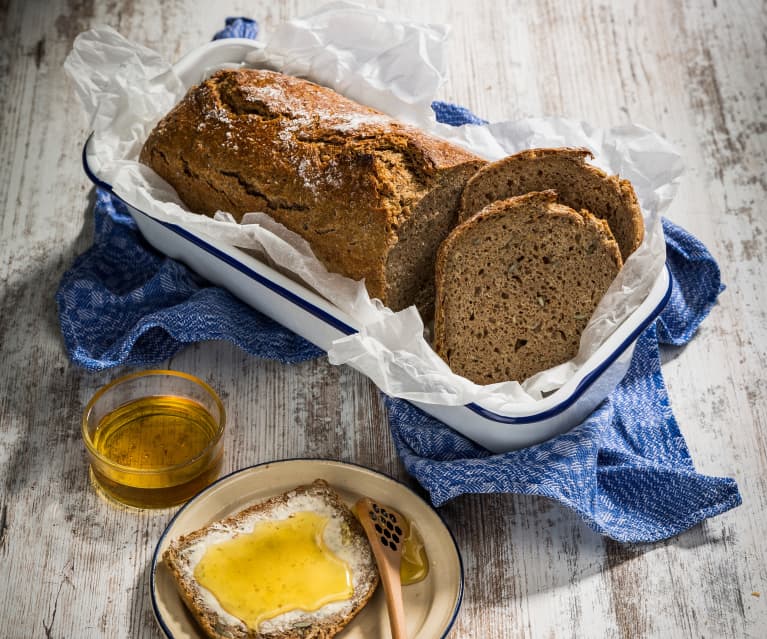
point(388, 559)
point(393, 589)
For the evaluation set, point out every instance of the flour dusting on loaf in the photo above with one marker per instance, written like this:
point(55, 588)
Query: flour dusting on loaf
point(373, 197)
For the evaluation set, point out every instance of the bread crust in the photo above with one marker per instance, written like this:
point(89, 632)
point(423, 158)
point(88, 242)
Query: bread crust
point(578, 184)
point(347, 178)
point(177, 561)
point(516, 284)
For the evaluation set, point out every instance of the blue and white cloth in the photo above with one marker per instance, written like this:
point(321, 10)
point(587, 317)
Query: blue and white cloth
point(625, 470)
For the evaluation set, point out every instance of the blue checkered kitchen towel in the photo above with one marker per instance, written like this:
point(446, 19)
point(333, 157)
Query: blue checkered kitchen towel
point(626, 470)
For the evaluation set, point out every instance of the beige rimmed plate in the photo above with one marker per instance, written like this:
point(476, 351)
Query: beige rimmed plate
point(431, 605)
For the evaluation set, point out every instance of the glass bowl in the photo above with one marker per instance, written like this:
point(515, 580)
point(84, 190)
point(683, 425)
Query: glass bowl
point(154, 438)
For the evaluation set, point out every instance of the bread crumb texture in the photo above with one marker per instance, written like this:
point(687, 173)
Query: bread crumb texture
point(578, 184)
point(516, 285)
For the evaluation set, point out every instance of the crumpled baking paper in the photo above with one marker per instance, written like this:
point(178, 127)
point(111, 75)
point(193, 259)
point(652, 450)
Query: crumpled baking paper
point(396, 66)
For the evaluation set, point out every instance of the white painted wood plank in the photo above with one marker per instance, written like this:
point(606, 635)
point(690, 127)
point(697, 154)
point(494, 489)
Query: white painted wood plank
point(73, 566)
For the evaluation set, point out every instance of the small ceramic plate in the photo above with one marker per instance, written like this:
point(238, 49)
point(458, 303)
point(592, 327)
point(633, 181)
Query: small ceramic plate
point(431, 605)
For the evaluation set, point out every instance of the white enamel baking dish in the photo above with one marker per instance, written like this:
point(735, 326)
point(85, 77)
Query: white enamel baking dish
point(314, 318)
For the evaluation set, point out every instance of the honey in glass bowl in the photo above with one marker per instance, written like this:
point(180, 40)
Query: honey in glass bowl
point(154, 438)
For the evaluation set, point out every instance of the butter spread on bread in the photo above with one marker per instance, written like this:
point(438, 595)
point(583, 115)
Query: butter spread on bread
point(296, 565)
point(373, 197)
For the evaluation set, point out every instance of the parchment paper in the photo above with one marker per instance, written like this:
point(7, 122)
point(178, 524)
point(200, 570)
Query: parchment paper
point(397, 67)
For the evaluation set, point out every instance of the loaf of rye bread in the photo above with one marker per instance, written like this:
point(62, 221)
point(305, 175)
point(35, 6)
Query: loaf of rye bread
point(517, 283)
point(578, 184)
point(343, 533)
point(373, 197)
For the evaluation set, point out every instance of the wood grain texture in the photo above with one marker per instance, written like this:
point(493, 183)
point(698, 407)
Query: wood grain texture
point(72, 565)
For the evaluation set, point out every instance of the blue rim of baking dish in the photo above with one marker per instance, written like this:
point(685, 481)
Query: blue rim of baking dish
point(345, 328)
point(155, 558)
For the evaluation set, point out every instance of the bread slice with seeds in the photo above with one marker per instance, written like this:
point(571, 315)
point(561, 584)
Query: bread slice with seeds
point(342, 535)
point(516, 285)
point(578, 185)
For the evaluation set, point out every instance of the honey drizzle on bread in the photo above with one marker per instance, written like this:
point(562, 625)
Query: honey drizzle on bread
point(351, 545)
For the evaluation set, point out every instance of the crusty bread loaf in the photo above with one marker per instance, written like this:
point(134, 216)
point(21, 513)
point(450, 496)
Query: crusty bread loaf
point(373, 197)
point(516, 285)
point(578, 185)
point(343, 533)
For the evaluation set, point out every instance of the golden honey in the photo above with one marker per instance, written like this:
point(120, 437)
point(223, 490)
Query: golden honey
point(414, 565)
point(157, 445)
point(154, 438)
point(155, 432)
point(281, 565)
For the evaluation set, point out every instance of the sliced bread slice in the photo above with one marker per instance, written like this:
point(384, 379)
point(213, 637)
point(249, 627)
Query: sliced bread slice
point(578, 185)
point(516, 285)
point(342, 534)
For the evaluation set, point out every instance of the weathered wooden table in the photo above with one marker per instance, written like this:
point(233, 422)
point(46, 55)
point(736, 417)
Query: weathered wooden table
point(72, 566)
